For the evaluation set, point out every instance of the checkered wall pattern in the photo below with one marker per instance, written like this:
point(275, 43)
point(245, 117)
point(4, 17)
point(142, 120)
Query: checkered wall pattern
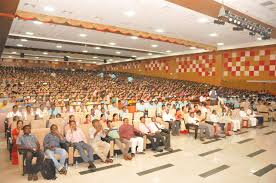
point(203, 65)
point(157, 65)
point(249, 63)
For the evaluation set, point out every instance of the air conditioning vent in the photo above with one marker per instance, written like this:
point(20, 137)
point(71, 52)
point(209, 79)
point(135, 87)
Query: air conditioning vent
point(267, 3)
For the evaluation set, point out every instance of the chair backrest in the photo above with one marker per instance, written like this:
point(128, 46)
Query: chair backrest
point(84, 128)
point(152, 112)
point(59, 122)
point(36, 124)
point(40, 134)
point(136, 123)
point(137, 115)
point(129, 116)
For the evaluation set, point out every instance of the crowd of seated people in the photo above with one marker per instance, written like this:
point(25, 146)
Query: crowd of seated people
point(96, 114)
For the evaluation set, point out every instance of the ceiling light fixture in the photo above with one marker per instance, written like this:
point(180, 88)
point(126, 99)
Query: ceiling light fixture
point(56, 60)
point(14, 52)
point(159, 30)
point(37, 22)
point(45, 53)
point(192, 48)
point(10, 56)
point(79, 60)
point(259, 38)
point(129, 13)
point(117, 52)
point(203, 20)
point(84, 51)
point(154, 45)
point(20, 45)
point(134, 37)
point(97, 48)
point(59, 46)
point(24, 40)
point(112, 43)
point(134, 56)
point(213, 34)
point(83, 35)
point(95, 57)
point(220, 44)
point(49, 8)
point(29, 33)
point(149, 53)
point(36, 57)
point(168, 51)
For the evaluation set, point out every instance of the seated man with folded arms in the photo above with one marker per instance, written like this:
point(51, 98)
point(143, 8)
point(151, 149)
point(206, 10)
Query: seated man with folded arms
point(153, 138)
point(100, 147)
point(174, 125)
point(29, 146)
point(204, 127)
point(52, 146)
point(159, 130)
point(76, 136)
point(192, 122)
point(128, 134)
point(113, 133)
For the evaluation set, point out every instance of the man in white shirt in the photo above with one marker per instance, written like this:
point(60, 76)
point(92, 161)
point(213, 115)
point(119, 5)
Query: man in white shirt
point(100, 147)
point(174, 125)
point(192, 122)
point(236, 119)
point(158, 129)
point(28, 115)
point(154, 139)
point(252, 117)
point(14, 112)
point(123, 113)
point(141, 107)
point(41, 112)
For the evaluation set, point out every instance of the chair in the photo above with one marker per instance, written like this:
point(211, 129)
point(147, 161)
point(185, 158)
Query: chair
point(137, 115)
point(129, 116)
point(152, 112)
point(36, 124)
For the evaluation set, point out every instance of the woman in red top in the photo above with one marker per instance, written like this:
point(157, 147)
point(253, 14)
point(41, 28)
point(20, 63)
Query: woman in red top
point(15, 134)
point(87, 119)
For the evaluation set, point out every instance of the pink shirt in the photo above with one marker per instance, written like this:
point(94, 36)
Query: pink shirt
point(75, 136)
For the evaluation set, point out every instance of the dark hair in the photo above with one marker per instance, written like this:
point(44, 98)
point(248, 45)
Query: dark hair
point(141, 117)
point(53, 126)
point(19, 122)
point(86, 115)
point(15, 106)
point(94, 121)
point(25, 126)
point(115, 114)
point(71, 121)
point(71, 116)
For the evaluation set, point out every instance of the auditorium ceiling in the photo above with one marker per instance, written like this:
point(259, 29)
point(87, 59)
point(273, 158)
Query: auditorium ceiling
point(166, 28)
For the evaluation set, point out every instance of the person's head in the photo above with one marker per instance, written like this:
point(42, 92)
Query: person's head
point(124, 108)
point(167, 111)
point(27, 129)
point(125, 121)
point(153, 119)
point(192, 114)
point(96, 124)
point(214, 112)
point(242, 109)
point(102, 110)
point(53, 106)
point(58, 115)
point(142, 119)
point(71, 117)
point(28, 108)
point(92, 111)
point(72, 124)
point(41, 106)
point(15, 118)
point(19, 124)
point(15, 108)
point(88, 117)
point(54, 128)
point(115, 117)
point(5, 102)
point(198, 113)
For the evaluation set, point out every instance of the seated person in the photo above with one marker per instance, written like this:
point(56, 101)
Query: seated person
point(192, 122)
point(174, 125)
point(153, 138)
point(75, 136)
point(236, 119)
point(29, 146)
point(129, 134)
point(28, 115)
point(52, 146)
point(252, 117)
point(214, 119)
point(113, 133)
point(158, 129)
point(100, 147)
point(204, 127)
point(88, 119)
point(123, 112)
point(15, 133)
point(42, 111)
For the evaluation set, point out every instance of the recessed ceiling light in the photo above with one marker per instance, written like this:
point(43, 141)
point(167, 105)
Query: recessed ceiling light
point(84, 51)
point(220, 44)
point(24, 40)
point(10, 56)
point(112, 43)
point(154, 45)
point(49, 8)
point(259, 38)
point(159, 30)
point(68, 56)
point(168, 51)
point(83, 35)
point(94, 62)
point(37, 22)
point(14, 52)
point(110, 59)
point(59, 46)
point(149, 53)
point(134, 37)
point(95, 57)
point(203, 20)
point(56, 59)
point(192, 48)
point(20, 45)
point(29, 33)
point(79, 60)
point(45, 53)
point(37, 57)
point(213, 35)
point(134, 56)
point(97, 48)
point(117, 52)
point(129, 13)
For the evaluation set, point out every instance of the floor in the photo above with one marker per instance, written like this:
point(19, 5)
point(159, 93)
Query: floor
point(248, 157)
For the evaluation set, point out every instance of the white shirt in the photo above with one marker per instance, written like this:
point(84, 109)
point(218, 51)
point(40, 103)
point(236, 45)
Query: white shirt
point(202, 99)
point(214, 118)
point(12, 114)
point(192, 120)
point(243, 114)
point(41, 113)
point(153, 128)
point(167, 117)
point(143, 128)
